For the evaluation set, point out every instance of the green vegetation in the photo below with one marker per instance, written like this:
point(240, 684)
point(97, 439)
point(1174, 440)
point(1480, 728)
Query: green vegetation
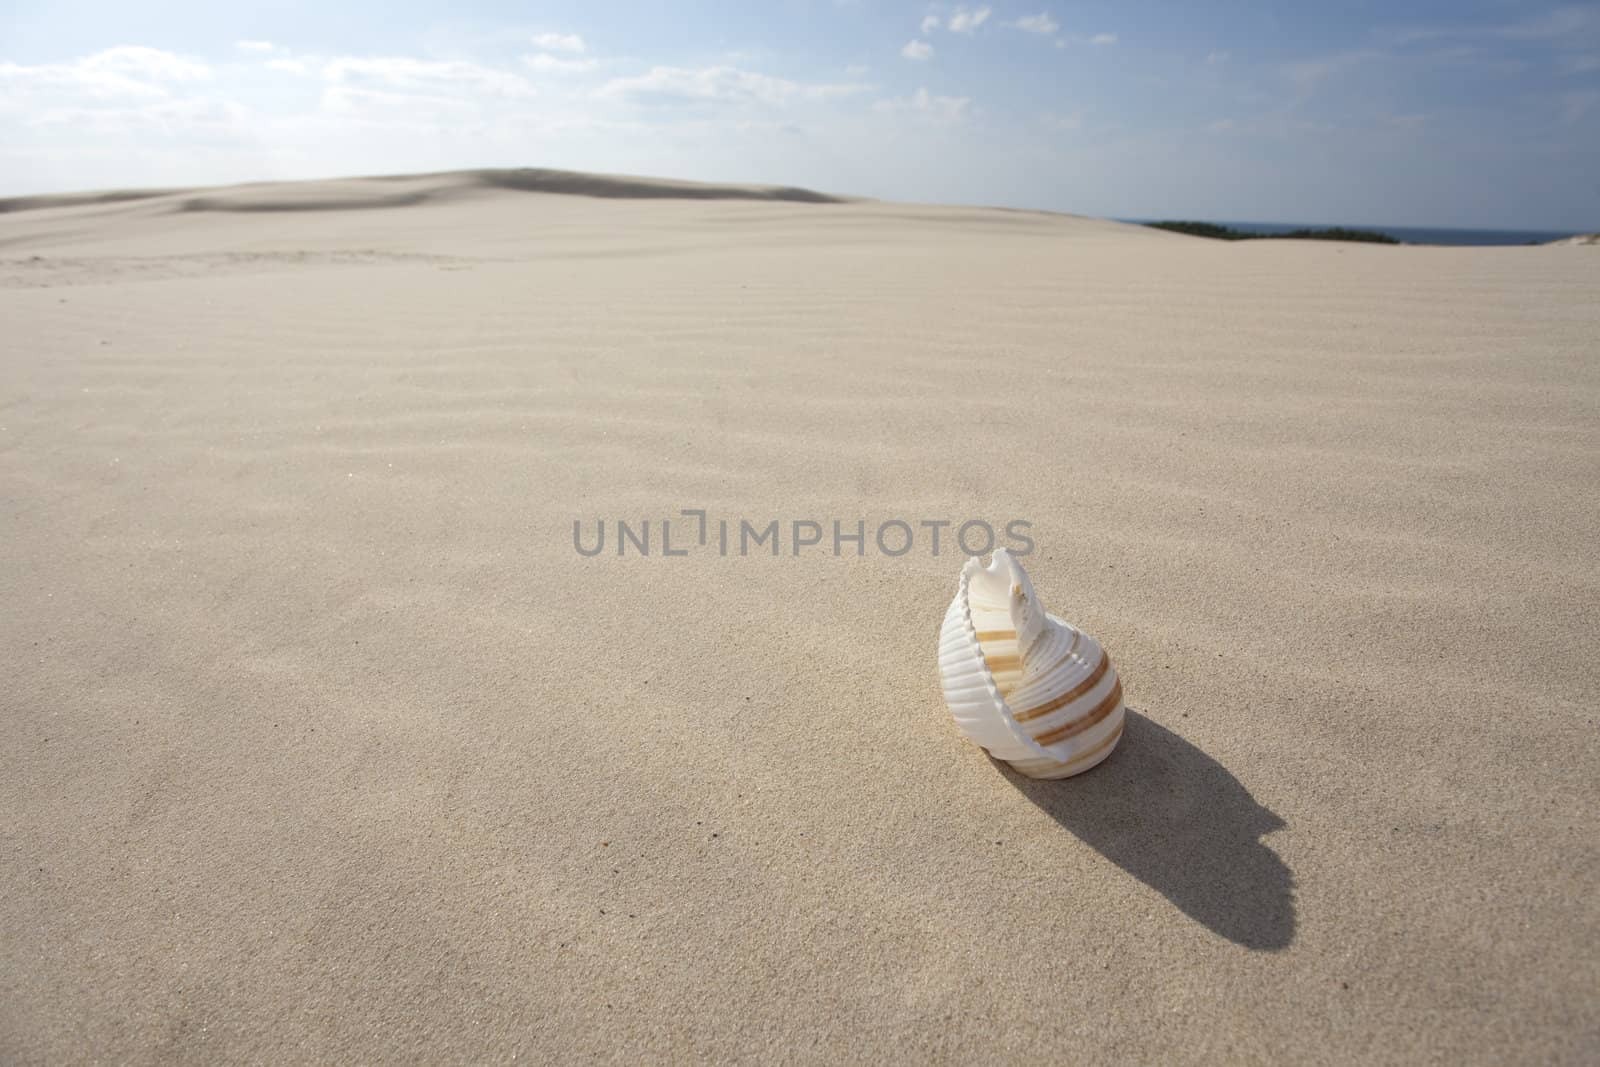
point(1228, 233)
point(1203, 229)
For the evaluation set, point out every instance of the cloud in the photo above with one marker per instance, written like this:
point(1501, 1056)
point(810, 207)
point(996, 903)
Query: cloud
point(559, 42)
point(116, 104)
point(138, 61)
point(428, 75)
point(922, 102)
point(964, 21)
point(1559, 26)
point(253, 46)
point(1102, 39)
point(392, 108)
point(543, 61)
point(917, 50)
point(1041, 24)
point(289, 66)
point(727, 85)
point(1576, 106)
point(1307, 74)
point(124, 71)
point(930, 23)
point(168, 119)
point(1217, 59)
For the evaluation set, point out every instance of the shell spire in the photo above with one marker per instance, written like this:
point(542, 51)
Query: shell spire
point(1004, 578)
point(1029, 687)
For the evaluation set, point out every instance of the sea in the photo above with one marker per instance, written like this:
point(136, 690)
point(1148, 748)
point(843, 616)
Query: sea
point(1411, 235)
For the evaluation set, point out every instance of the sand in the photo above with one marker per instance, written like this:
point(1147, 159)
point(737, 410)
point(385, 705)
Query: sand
point(319, 742)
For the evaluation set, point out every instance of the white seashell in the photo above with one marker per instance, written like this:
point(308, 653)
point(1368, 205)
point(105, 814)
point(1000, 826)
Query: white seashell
point(1035, 691)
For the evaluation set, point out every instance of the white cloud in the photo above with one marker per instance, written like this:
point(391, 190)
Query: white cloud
point(138, 61)
point(1576, 105)
point(917, 50)
point(19, 82)
point(1558, 24)
point(253, 46)
point(543, 61)
point(1041, 23)
point(403, 108)
point(941, 108)
point(1103, 39)
point(405, 72)
point(289, 66)
point(1216, 59)
point(166, 118)
point(124, 71)
point(964, 21)
point(930, 23)
point(1307, 74)
point(559, 42)
point(719, 84)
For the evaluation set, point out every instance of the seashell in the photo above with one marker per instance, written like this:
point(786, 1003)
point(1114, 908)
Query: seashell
point(1033, 690)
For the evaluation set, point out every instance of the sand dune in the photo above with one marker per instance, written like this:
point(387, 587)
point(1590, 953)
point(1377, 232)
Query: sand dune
point(320, 741)
point(401, 190)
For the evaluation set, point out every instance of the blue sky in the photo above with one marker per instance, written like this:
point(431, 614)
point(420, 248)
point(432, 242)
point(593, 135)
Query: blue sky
point(1447, 114)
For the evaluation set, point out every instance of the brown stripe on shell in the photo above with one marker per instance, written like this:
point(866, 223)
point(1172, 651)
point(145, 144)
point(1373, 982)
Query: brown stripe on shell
point(1051, 769)
point(1070, 695)
point(1077, 726)
point(1096, 750)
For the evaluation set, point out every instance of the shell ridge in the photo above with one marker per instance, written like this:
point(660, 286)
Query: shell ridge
point(961, 609)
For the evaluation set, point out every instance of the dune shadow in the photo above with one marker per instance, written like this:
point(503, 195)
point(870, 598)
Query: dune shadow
point(1175, 819)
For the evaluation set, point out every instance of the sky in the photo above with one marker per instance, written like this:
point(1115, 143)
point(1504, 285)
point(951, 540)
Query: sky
point(1458, 113)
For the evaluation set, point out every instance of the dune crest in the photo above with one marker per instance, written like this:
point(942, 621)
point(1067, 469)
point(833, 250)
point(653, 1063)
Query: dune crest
point(405, 189)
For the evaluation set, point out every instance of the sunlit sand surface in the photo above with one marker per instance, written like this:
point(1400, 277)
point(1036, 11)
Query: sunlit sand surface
point(319, 742)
